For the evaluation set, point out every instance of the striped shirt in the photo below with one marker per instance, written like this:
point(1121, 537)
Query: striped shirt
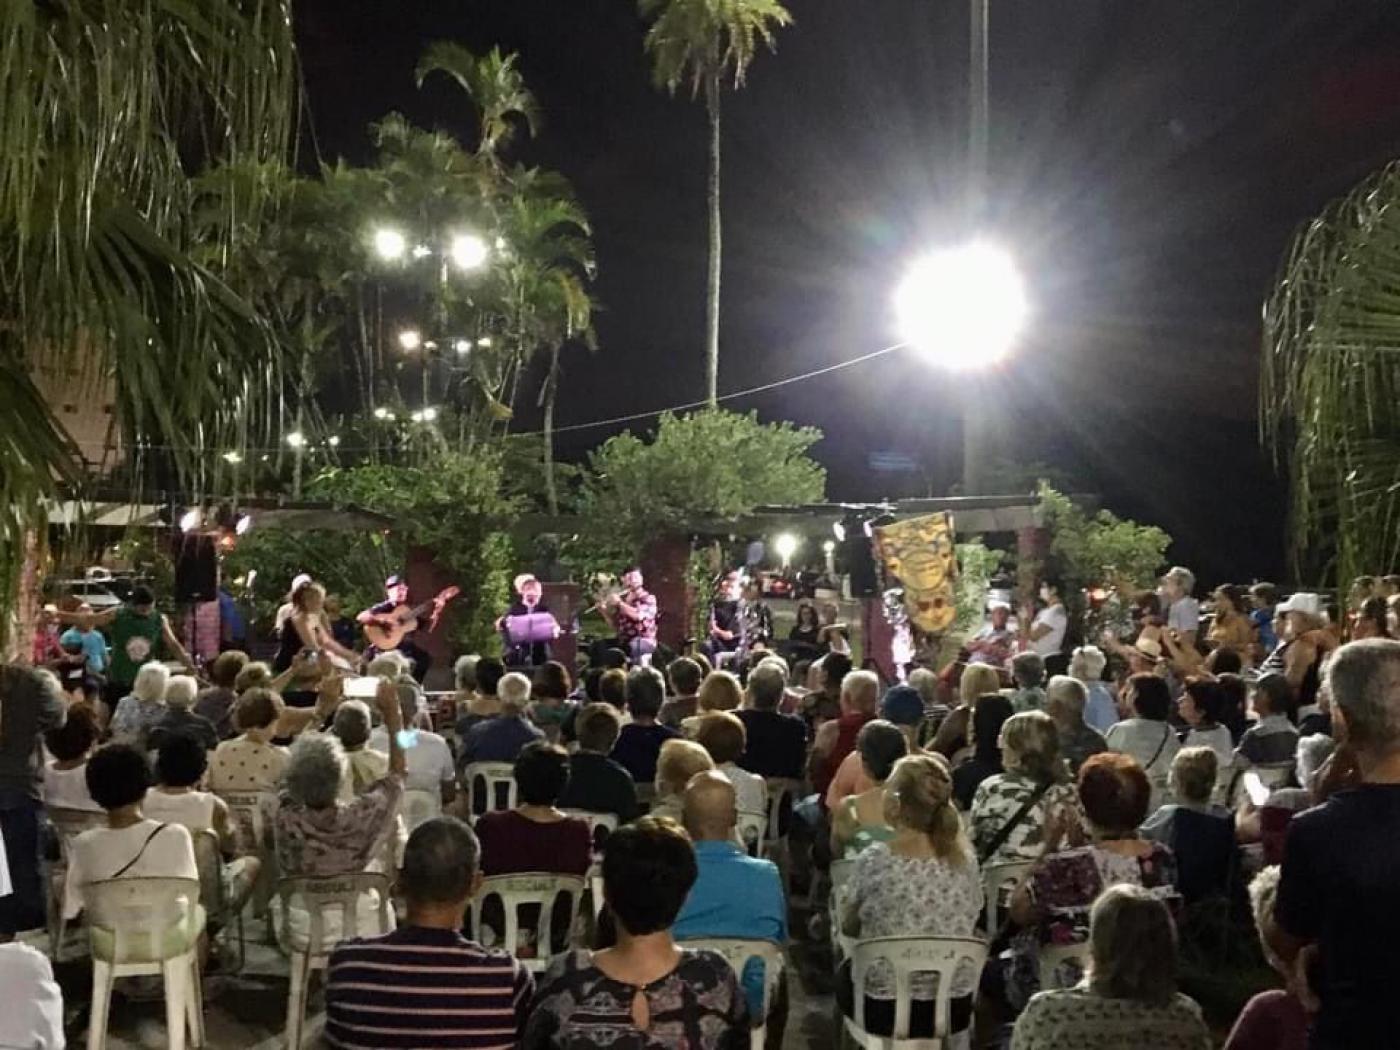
point(421, 987)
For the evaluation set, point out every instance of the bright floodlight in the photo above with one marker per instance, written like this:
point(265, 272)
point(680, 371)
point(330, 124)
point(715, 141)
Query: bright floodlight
point(243, 524)
point(829, 547)
point(381, 413)
point(296, 439)
point(409, 339)
point(190, 520)
point(484, 342)
point(389, 244)
point(429, 414)
point(786, 545)
point(333, 441)
point(469, 251)
point(962, 307)
point(462, 346)
point(233, 457)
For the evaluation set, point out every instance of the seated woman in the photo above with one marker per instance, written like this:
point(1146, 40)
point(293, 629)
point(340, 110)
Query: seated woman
point(131, 845)
point(351, 726)
point(646, 991)
point(859, 820)
point(720, 691)
point(251, 762)
point(1147, 737)
point(216, 702)
point(180, 693)
point(550, 708)
point(1052, 903)
point(724, 737)
point(676, 763)
point(1274, 1019)
point(1012, 811)
point(989, 714)
point(976, 681)
point(536, 835)
point(316, 834)
point(138, 712)
point(1201, 707)
point(1129, 997)
point(176, 799)
point(923, 882)
point(1200, 835)
point(65, 778)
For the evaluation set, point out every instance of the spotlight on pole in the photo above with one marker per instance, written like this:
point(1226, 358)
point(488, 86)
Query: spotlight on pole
point(786, 544)
point(462, 346)
point(409, 339)
point(296, 439)
point(468, 251)
point(190, 520)
point(389, 244)
point(962, 308)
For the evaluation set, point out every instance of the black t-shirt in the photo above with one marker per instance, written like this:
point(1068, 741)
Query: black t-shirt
point(1340, 887)
point(776, 744)
point(599, 785)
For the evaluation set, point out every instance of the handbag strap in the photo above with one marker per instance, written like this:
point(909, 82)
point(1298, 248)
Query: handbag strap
point(1004, 832)
point(1166, 732)
point(141, 852)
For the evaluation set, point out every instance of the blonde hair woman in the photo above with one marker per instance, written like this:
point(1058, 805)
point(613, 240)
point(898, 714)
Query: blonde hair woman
point(977, 680)
point(1012, 811)
point(720, 691)
point(923, 882)
point(676, 763)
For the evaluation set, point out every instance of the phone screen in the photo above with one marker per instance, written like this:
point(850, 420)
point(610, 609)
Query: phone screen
point(361, 688)
point(1255, 788)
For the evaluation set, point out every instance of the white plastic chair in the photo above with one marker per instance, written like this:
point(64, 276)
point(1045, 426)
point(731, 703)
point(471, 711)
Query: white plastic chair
point(607, 821)
point(1051, 957)
point(68, 824)
point(752, 827)
point(490, 774)
point(908, 956)
point(420, 806)
point(146, 927)
point(318, 898)
point(737, 952)
point(250, 811)
point(999, 881)
point(219, 909)
point(541, 888)
point(778, 789)
point(839, 872)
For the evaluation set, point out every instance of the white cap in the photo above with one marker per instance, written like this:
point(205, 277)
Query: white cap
point(997, 603)
point(1302, 602)
point(301, 579)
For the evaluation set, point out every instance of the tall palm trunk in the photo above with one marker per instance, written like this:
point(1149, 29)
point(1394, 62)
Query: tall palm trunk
point(551, 495)
point(712, 89)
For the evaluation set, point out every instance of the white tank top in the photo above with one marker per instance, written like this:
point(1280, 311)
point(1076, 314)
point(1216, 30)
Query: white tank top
point(193, 809)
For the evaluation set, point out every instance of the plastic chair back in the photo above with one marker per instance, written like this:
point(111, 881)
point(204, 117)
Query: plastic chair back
point(68, 824)
point(144, 916)
point(752, 827)
point(320, 896)
point(600, 826)
point(420, 807)
point(780, 788)
point(1074, 958)
point(249, 810)
point(839, 872)
point(487, 799)
point(538, 888)
point(999, 881)
point(737, 952)
point(908, 956)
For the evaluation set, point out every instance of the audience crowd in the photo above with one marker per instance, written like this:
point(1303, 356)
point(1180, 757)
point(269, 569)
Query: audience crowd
point(1094, 816)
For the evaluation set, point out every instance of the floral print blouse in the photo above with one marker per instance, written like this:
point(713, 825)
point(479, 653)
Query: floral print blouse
point(1000, 798)
point(913, 897)
point(698, 1006)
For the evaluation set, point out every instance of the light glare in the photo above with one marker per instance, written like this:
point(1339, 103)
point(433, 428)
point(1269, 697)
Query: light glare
point(962, 307)
point(189, 521)
point(469, 251)
point(786, 545)
point(409, 339)
point(296, 439)
point(389, 244)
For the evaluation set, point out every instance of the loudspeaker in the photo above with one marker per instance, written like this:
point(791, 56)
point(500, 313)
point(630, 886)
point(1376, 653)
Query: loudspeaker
point(196, 569)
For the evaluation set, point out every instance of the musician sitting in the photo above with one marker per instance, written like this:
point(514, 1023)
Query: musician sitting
point(523, 646)
point(726, 620)
point(384, 614)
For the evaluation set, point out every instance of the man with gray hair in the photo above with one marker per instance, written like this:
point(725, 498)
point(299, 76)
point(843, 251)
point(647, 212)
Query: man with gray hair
point(1028, 672)
point(426, 753)
point(1064, 702)
point(1338, 909)
point(776, 744)
point(180, 693)
point(351, 725)
point(425, 984)
point(500, 739)
point(1181, 610)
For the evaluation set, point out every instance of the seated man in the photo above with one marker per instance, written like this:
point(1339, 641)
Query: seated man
point(734, 895)
point(776, 743)
point(597, 783)
point(425, 984)
point(427, 754)
point(639, 742)
point(835, 739)
point(500, 739)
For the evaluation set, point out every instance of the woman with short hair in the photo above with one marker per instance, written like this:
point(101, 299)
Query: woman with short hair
point(1147, 736)
point(1012, 811)
point(536, 835)
point(724, 737)
point(676, 762)
point(1051, 905)
point(977, 681)
point(139, 712)
point(1129, 995)
point(1100, 709)
point(859, 820)
point(646, 991)
point(180, 693)
point(923, 882)
point(217, 700)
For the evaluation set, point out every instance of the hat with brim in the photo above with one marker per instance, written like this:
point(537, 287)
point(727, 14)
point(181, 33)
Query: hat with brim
point(997, 603)
point(1303, 602)
point(1148, 649)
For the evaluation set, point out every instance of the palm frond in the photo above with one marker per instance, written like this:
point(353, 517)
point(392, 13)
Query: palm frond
point(493, 83)
point(695, 41)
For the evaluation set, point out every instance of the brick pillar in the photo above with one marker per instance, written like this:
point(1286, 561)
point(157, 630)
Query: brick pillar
point(664, 562)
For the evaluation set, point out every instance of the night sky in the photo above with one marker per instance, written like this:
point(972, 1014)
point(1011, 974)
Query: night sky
point(1150, 161)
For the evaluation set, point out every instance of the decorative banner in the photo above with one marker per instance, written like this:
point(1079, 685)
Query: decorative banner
point(919, 552)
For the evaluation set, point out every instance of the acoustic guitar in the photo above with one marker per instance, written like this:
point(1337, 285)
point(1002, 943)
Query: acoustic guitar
point(387, 630)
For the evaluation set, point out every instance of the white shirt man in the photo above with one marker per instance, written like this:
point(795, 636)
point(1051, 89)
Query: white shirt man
point(1053, 641)
point(426, 754)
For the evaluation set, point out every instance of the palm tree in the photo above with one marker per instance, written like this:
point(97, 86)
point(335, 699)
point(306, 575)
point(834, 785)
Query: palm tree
point(1330, 382)
point(493, 82)
point(703, 43)
point(104, 106)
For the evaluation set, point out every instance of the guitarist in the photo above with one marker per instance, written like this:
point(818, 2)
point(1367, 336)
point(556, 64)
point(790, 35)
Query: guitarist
point(531, 600)
point(395, 596)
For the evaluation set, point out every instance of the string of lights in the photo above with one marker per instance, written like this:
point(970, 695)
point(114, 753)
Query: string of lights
point(296, 440)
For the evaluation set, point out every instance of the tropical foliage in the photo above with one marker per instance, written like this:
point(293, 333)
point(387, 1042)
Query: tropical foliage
point(1329, 394)
point(702, 44)
point(106, 106)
